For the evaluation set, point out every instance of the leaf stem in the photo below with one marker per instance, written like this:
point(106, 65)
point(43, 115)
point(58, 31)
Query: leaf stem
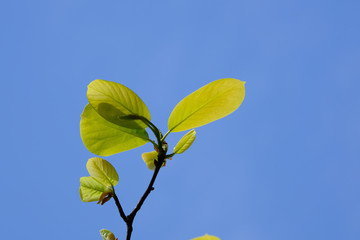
point(163, 138)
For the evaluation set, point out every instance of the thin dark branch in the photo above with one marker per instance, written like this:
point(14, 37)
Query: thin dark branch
point(159, 163)
point(121, 211)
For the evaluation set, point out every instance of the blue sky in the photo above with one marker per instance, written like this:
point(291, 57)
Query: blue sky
point(285, 165)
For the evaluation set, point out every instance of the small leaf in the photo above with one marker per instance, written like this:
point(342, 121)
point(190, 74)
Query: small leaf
point(107, 235)
point(185, 142)
point(149, 158)
point(104, 138)
point(206, 237)
point(102, 171)
point(99, 186)
point(115, 102)
point(90, 189)
point(207, 104)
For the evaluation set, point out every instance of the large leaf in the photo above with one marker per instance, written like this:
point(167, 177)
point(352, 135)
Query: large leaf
point(90, 189)
point(104, 138)
point(115, 102)
point(185, 142)
point(206, 237)
point(102, 171)
point(207, 104)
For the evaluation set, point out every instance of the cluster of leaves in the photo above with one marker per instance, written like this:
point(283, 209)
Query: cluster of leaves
point(116, 120)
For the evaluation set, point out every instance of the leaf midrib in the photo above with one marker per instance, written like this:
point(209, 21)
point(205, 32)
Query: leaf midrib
point(112, 99)
point(103, 174)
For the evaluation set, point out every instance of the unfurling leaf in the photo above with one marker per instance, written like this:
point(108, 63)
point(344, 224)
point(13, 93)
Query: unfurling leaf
point(206, 237)
point(107, 235)
point(99, 186)
point(115, 102)
point(150, 158)
point(207, 104)
point(104, 138)
point(185, 142)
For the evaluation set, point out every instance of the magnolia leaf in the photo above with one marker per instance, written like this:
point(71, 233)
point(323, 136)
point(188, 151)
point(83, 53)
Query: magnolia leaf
point(104, 138)
point(207, 104)
point(206, 237)
point(185, 142)
point(107, 235)
point(90, 189)
point(115, 102)
point(99, 186)
point(102, 171)
point(149, 158)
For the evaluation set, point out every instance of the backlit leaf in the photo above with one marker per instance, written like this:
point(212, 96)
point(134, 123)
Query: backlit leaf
point(102, 171)
point(149, 158)
point(107, 235)
point(99, 186)
point(185, 142)
point(207, 104)
point(90, 189)
point(115, 102)
point(104, 138)
point(206, 237)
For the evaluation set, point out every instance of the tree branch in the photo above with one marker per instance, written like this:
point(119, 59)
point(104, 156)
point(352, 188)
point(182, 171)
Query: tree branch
point(131, 216)
point(121, 211)
point(148, 190)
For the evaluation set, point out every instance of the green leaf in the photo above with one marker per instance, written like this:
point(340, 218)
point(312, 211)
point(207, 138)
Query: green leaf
point(206, 237)
point(102, 171)
point(207, 104)
point(104, 138)
point(107, 235)
point(90, 189)
point(185, 142)
point(103, 177)
point(115, 102)
point(149, 158)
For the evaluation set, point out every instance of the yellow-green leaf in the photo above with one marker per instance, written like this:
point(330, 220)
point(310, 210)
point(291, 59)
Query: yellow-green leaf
point(104, 138)
point(90, 189)
point(206, 237)
point(102, 171)
point(107, 235)
point(149, 158)
point(207, 104)
point(115, 102)
point(185, 142)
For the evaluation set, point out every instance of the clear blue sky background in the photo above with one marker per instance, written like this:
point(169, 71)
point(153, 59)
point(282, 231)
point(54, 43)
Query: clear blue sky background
point(284, 166)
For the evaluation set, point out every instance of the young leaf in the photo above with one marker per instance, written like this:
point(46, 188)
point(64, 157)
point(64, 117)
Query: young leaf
point(102, 171)
point(90, 189)
point(107, 235)
point(185, 142)
point(104, 138)
point(207, 104)
point(149, 158)
point(99, 186)
point(115, 102)
point(206, 237)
